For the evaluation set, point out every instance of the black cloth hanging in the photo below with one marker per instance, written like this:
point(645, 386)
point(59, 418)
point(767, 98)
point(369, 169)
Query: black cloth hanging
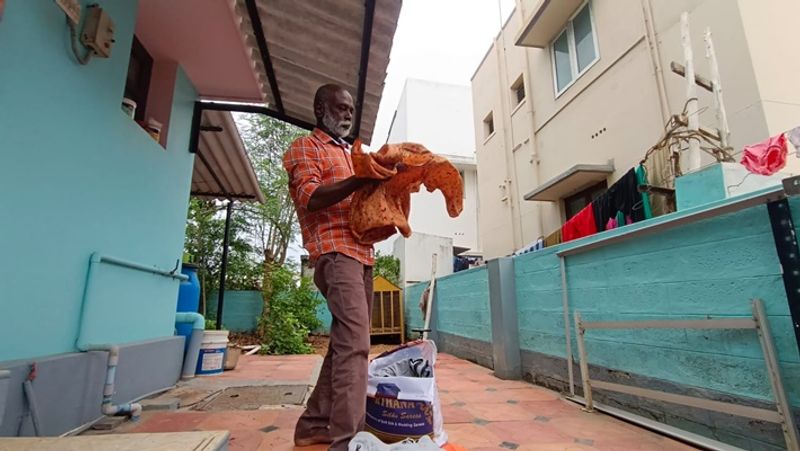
point(622, 196)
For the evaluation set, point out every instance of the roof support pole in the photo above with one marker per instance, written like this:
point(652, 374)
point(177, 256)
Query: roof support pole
point(224, 265)
point(366, 40)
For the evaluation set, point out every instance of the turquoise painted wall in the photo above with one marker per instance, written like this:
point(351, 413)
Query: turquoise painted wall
point(461, 302)
point(710, 268)
point(323, 315)
point(79, 177)
point(241, 311)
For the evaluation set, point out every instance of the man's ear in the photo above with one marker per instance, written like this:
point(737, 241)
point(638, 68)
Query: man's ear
point(319, 110)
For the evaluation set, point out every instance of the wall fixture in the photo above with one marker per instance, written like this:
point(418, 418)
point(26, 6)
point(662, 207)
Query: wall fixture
point(97, 34)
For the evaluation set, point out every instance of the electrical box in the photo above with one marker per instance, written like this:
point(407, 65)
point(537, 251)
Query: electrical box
point(98, 32)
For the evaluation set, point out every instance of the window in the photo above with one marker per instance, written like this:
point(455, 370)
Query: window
point(137, 85)
point(488, 125)
point(577, 202)
point(518, 90)
point(574, 50)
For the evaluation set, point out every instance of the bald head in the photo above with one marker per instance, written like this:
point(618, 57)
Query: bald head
point(333, 108)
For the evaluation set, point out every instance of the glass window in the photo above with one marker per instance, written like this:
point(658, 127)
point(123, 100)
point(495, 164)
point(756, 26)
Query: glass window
point(562, 61)
point(518, 89)
point(488, 125)
point(584, 39)
point(574, 50)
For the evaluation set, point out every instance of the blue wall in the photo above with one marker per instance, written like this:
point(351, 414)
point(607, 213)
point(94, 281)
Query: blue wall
point(712, 268)
point(241, 311)
point(462, 305)
point(77, 177)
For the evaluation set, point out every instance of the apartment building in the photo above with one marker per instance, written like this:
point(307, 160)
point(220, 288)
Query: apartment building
point(572, 94)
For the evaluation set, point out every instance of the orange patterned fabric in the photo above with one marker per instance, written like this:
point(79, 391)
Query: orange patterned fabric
point(380, 210)
point(315, 160)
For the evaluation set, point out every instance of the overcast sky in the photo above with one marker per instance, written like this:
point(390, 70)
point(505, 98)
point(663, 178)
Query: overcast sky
point(439, 40)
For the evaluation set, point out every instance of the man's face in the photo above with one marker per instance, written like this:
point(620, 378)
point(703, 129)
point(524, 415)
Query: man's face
point(338, 115)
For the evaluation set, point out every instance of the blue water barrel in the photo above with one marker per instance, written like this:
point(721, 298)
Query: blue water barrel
point(189, 291)
point(188, 300)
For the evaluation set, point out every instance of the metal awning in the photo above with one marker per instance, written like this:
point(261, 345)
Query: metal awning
point(573, 180)
point(222, 169)
point(270, 56)
point(298, 46)
point(546, 21)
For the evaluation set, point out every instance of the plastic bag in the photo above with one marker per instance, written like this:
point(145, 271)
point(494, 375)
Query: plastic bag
point(400, 407)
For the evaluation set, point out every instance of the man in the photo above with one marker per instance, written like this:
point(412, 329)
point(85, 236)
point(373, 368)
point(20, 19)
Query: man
point(321, 181)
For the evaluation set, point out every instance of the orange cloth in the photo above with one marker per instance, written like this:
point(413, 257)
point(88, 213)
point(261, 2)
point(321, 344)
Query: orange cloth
point(312, 161)
point(453, 447)
point(378, 211)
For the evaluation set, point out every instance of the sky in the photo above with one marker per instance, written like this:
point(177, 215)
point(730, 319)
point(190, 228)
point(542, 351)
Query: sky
point(438, 40)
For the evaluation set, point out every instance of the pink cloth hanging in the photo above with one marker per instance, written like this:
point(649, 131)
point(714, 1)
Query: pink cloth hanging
point(766, 157)
point(611, 224)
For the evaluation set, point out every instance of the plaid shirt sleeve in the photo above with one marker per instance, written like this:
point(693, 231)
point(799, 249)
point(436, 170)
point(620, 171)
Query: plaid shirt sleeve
point(302, 163)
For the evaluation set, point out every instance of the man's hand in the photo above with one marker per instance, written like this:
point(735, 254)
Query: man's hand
point(327, 195)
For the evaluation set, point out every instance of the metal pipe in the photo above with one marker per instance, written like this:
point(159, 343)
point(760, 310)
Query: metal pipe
point(567, 331)
point(774, 373)
point(33, 407)
point(195, 341)
point(587, 385)
point(224, 266)
point(97, 258)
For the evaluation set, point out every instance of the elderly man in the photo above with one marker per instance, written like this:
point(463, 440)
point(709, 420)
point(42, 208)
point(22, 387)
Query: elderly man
point(320, 182)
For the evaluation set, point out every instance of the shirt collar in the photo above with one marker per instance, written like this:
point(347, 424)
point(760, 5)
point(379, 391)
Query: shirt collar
point(326, 138)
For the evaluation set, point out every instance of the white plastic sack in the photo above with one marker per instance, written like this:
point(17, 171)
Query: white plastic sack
point(400, 407)
point(364, 441)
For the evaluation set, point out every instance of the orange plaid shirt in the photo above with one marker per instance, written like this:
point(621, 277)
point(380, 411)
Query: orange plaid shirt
point(316, 160)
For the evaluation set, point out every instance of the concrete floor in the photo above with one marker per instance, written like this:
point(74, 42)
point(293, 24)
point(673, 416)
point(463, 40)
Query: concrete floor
point(480, 412)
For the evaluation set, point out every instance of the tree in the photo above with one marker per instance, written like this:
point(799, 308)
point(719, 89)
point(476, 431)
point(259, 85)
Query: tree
point(274, 223)
point(387, 266)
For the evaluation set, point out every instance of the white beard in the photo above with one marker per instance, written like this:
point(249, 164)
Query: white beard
point(341, 129)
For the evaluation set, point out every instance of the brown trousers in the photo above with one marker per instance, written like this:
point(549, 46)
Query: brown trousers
point(337, 405)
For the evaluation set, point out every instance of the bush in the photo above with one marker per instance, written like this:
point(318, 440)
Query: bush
point(289, 314)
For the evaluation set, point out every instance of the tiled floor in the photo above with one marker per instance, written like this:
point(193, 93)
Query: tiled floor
point(480, 413)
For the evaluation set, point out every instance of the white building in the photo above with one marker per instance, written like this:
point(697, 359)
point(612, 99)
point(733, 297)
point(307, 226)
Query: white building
point(572, 93)
point(439, 116)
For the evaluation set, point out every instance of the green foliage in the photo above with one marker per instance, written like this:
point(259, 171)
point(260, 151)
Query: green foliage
point(260, 234)
point(290, 314)
point(387, 266)
point(211, 323)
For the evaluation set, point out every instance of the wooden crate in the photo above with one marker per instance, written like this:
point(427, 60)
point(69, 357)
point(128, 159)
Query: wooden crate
point(387, 309)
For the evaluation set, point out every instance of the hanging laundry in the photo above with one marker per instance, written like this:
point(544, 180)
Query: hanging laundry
point(611, 224)
point(379, 211)
point(553, 239)
point(766, 157)
point(581, 225)
point(641, 179)
point(623, 196)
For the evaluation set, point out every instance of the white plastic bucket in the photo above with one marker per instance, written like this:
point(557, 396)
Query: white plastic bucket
point(212, 352)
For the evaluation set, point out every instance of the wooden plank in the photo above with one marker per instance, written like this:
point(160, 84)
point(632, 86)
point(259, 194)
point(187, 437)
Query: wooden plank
point(703, 82)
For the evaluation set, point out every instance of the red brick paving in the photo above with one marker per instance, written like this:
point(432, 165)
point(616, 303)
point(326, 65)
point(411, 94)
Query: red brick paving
point(480, 413)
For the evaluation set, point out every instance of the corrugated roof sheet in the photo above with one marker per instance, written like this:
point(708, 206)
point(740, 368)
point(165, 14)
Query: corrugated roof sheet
point(312, 43)
point(222, 168)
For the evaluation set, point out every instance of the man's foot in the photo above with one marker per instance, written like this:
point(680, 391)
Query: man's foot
point(317, 439)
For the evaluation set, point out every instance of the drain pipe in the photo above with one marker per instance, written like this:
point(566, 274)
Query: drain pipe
point(134, 410)
point(195, 341)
